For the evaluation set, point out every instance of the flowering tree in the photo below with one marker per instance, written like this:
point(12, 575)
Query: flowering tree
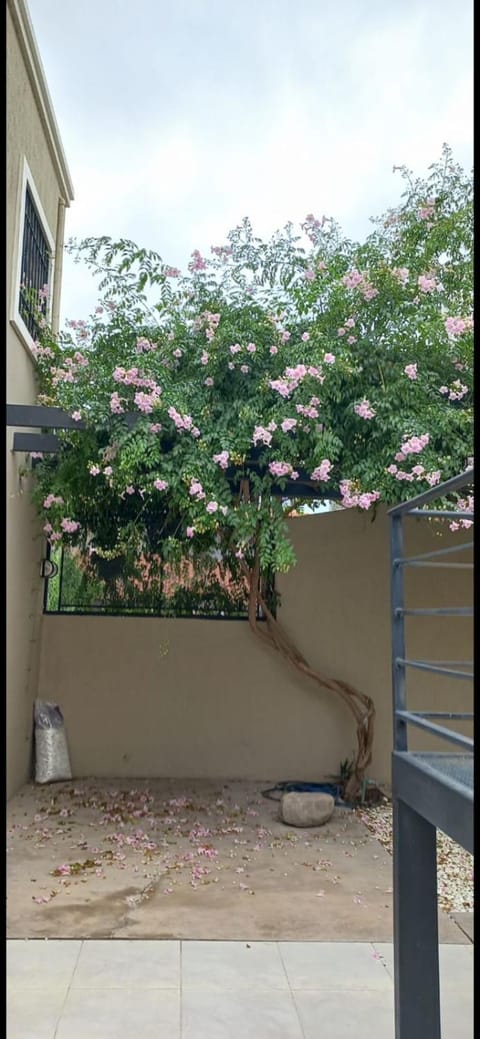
point(268, 361)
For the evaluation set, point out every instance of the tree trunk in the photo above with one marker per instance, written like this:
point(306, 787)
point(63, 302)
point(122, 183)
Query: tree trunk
point(271, 633)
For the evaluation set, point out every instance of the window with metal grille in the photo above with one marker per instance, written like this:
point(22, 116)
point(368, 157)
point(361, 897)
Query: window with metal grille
point(35, 267)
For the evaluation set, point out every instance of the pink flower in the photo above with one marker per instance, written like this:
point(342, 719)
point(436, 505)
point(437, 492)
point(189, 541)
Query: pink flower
point(411, 371)
point(177, 352)
point(108, 470)
point(196, 490)
point(433, 478)
point(155, 427)
point(322, 471)
point(392, 469)
point(329, 358)
point(52, 499)
point(351, 340)
point(261, 434)
point(350, 323)
point(341, 331)
point(288, 424)
point(222, 459)
point(116, 405)
point(418, 470)
point(235, 349)
point(190, 532)
point(401, 274)
point(130, 489)
point(69, 526)
point(305, 337)
point(251, 348)
point(209, 381)
point(77, 416)
point(285, 336)
point(204, 358)
point(364, 410)
point(274, 349)
point(309, 275)
point(280, 468)
point(160, 485)
point(197, 263)
point(244, 368)
point(427, 283)
point(94, 470)
point(212, 506)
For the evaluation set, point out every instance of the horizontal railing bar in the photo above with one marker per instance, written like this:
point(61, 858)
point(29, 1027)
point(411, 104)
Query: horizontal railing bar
point(39, 416)
point(436, 730)
point(454, 715)
point(432, 555)
point(424, 665)
point(442, 513)
point(433, 493)
point(440, 611)
point(442, 566)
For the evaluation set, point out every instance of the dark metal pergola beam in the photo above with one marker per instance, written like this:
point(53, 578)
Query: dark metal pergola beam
point(38, 416)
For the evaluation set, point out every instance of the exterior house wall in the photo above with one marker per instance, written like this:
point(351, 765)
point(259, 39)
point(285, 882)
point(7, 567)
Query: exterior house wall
point(32, 137)
point(204, 698)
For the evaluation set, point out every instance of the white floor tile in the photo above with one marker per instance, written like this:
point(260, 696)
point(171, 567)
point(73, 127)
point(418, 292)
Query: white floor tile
point(239, 1015)
point(346, 1014)
point(232, 966)
point(116, 963)
point(330, 965)
point(33, 1013)
point(36, 964)
point(120, 1014)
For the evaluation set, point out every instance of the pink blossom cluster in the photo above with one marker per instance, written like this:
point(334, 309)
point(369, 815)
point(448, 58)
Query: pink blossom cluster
point(329, 358)
point(434, 477)
point(412, 446)
point(463, 505)
point(208, 381)
point(146, 402)
point(70, 370)
point(456, 391)
point(455, 326)
point(222, 459)
point(160, 485)
point(171, 272)
point(145, 346)
point(116, 406)
point(41, 351)
point(52, 499)
point(155, 427)
point(401, 274)
point(427, 210)
point(411, 370)
point(197, 263)
point(261, 435)
point(355, 280)
point(212, 506)
point(204, 358)
point(183, 421)
point(288, 424)
point(311, 225)
point(196, 490)
point(222, 251)
point(364, 409)
point(283, 469)
point(305, 336)
point(235, 348)
point(212, 324)
point(69, 525)
point(309, 275)
point(308, 410)
point(322, 471)
point(352, 498)
point(427, 283)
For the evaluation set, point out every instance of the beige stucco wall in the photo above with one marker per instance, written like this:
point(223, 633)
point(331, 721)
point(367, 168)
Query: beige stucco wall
point(218, 703)
point(26, 138)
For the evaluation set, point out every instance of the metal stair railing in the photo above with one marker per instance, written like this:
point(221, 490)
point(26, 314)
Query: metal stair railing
point(430, 790)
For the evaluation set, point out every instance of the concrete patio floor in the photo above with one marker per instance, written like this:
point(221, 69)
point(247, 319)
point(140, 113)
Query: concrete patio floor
point(165, 859)
point(218, 990)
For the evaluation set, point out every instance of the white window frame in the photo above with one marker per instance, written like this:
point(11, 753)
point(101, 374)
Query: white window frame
point(26, 180)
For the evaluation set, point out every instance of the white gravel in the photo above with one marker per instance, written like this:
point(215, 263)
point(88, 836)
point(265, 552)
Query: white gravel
point(454, 864)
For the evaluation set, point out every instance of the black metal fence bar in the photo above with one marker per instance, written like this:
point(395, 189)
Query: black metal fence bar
point(426, 665)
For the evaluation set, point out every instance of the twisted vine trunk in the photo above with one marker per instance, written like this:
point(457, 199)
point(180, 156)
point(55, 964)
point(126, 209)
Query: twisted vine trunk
point(271, 633)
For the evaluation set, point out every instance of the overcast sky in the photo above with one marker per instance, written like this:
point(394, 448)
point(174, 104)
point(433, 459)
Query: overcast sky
point(180, 118)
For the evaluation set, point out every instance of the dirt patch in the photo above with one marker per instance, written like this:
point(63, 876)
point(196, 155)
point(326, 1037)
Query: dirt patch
point(190, 859)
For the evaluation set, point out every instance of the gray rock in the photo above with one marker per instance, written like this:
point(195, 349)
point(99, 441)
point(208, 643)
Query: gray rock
point(307, 809)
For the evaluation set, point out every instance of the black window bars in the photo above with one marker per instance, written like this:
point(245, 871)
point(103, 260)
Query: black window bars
point(430, 790)
point(35, 267)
